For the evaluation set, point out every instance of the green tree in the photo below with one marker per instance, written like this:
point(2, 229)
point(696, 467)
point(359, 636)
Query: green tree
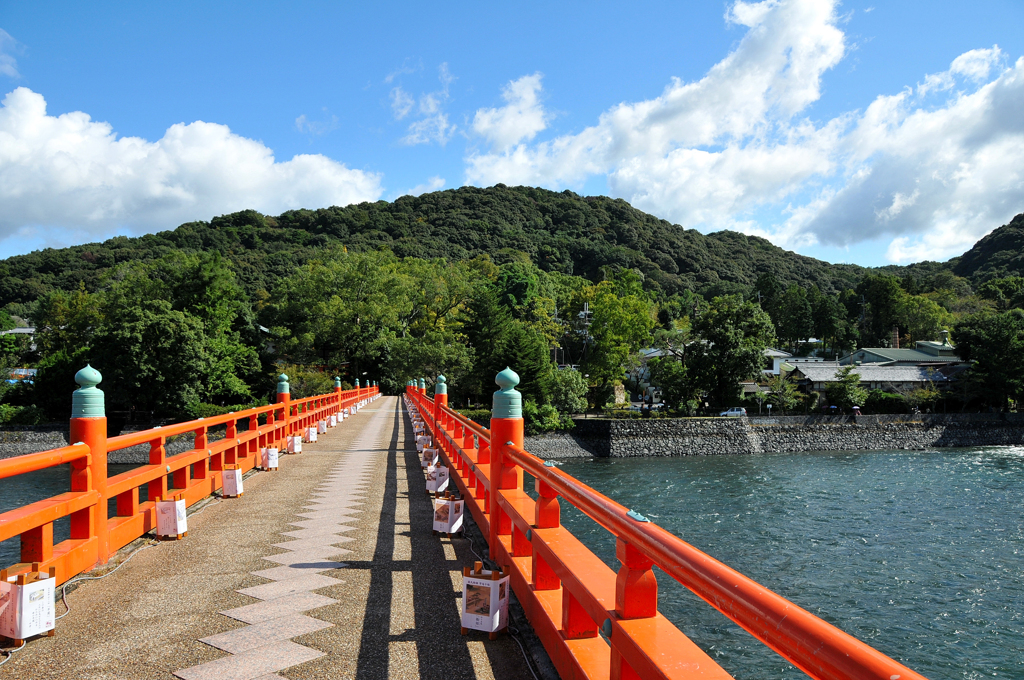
point(153, 358)
point(568, 391)
point(994, 344)
point(732, 336)
point(845, 391)
point(678, 390)
point(782, 394)
point(620, 326)
point(796, 321)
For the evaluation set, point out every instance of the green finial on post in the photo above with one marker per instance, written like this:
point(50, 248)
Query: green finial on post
point(441, 387)
point(357, 383)
point(337, 381)
point(282, 384)
point(87, 400)
point(507, 402)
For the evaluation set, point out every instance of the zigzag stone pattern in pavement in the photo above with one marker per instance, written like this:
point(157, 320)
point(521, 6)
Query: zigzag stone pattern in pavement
point(258, 651)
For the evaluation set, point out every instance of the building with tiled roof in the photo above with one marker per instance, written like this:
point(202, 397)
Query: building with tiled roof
point(924, 353)
point(816, 377)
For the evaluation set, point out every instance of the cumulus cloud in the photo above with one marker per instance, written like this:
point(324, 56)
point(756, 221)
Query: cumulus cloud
point(8, 64)
point(520, 119)
point(774, 73)
point(69, 171)
point(936, 178)
point(932, 168)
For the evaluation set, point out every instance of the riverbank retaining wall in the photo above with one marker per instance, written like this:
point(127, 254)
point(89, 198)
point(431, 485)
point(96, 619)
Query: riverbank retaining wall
point(600, 437)
point(603, 437)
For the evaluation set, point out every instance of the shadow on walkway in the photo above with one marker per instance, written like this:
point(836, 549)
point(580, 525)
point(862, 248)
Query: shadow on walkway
point(433, 565)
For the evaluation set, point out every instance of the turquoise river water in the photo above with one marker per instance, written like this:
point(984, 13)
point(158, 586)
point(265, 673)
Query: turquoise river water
point(919, 554)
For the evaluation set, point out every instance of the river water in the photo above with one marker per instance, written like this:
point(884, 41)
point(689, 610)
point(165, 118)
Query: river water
point(919, 554)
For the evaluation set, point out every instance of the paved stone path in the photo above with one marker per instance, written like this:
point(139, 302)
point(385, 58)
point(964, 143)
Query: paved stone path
point(361, 589)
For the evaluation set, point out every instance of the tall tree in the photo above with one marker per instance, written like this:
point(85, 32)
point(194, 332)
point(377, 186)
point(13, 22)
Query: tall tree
point(733, 335)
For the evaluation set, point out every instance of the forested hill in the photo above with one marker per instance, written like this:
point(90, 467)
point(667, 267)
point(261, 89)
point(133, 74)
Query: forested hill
point(557, 231)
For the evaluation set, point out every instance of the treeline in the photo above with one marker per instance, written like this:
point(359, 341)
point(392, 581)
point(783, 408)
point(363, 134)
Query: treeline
point(464, 282)
point(180, 335)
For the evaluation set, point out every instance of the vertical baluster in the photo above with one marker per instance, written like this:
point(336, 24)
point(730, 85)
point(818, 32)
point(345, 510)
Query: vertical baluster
point(636, 597)
point(157, 456)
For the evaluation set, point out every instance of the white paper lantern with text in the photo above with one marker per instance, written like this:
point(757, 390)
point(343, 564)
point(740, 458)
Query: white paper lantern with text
point(268, 458)
point(231, 481)
point(171, 518)
point(321, 427)
point(484, 599)
point(309, 435)
point(294, 444)
point(437, 478)
point(26, 604)
point(448, 511)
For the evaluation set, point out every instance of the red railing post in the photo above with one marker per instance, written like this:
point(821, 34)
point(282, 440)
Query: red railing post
point(506, 428)
point(284, 397)
point(89, 425)
point(440, 401)
point(337, 394)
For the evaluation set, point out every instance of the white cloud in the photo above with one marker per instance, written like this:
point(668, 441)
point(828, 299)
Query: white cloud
point(434, 183)
point(932, 174)
point(70, 172)
point(405, 69)
point(433, 125)
point(521, 118)
point(8, 65)
point(401, 103)
point(316, 127)
point(935, 178)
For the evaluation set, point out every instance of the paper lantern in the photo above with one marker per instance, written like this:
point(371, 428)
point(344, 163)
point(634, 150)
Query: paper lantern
point(294, 444)
point(321, 427)
point(309, 435)
point(231, 481)
point(484, 600)
point(268, 458)
point(437, 478)
point(26, 604)
point(448, 511)
point(171, 520)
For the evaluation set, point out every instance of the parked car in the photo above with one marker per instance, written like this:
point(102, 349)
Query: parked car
point(734, 412)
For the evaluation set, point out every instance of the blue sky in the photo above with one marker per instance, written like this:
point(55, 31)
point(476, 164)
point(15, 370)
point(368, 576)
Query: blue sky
point(863, 132)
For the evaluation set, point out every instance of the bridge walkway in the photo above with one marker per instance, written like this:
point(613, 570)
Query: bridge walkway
point(324, 569)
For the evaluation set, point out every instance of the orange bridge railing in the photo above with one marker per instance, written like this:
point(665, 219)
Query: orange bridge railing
point(571, 596)
point(192, 475)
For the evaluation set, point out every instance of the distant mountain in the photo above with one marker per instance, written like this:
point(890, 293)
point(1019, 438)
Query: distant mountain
point(999, 254)
point(557, 231)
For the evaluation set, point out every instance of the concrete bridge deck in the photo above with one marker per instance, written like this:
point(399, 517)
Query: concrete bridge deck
point(324, 569)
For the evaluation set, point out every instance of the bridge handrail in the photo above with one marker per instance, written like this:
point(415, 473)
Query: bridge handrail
point(479, 429)
point(811, 644)
point(33, 462)
point(196, 473)
point(814, 646)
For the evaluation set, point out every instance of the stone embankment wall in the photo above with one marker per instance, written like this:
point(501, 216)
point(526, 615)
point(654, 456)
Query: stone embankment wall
point(716, 436)
point(17, 442)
